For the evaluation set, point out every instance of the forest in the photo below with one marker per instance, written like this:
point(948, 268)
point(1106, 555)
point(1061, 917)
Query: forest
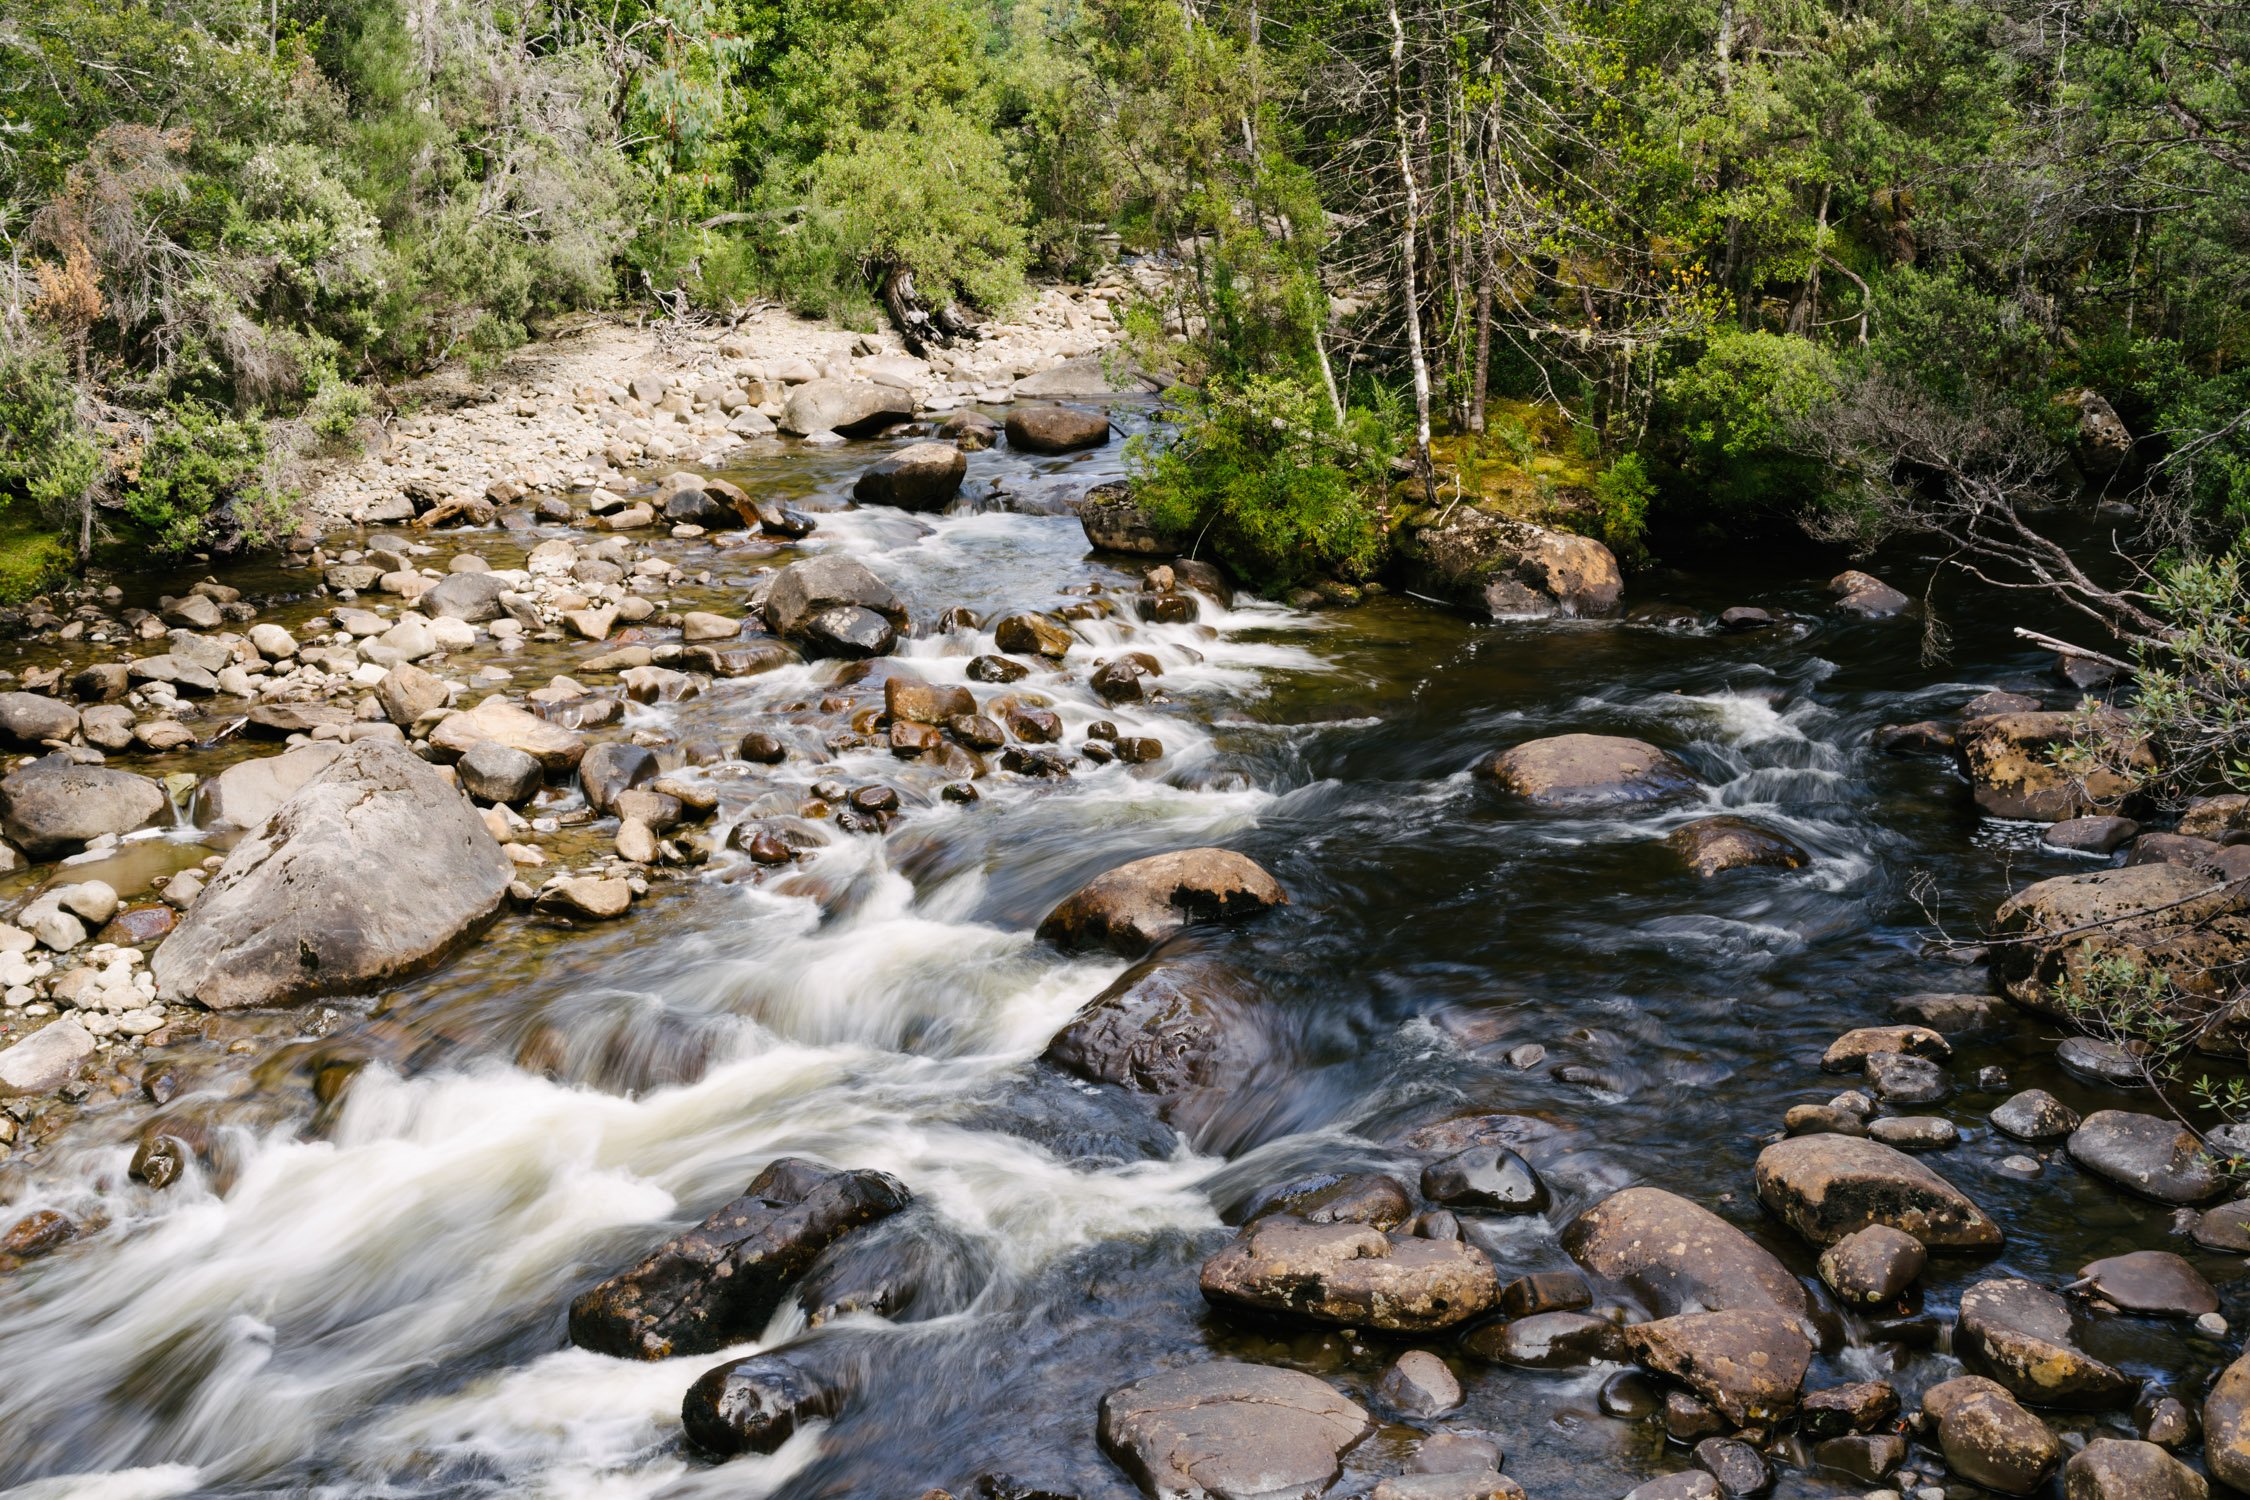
point(1690, 269)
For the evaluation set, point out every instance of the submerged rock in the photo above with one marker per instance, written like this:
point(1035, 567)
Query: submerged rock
point(1230, 1432)
point(1132, 908)
point(1712, 846)
point(1589, 770)
point(372, 871)
point(754, 1405)
point(1351, 1275)
point(1179, 1031)
point(720, 1282)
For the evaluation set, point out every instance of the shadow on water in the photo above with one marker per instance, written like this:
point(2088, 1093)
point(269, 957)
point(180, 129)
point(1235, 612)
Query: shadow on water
point(374, 1304)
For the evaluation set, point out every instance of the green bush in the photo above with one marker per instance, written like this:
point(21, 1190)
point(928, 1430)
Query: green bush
point(201, 482)
point(1264, 482)
point(49, 466)
point(1622, 494)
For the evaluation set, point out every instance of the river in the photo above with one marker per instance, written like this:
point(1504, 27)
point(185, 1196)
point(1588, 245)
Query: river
point(369, 1299)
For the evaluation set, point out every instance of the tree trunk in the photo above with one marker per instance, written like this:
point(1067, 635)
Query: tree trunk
point(1409, 231)
point(1482, 371)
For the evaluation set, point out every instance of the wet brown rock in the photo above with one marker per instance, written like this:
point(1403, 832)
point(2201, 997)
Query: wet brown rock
point(753, 1405)
point(720, 1282)
point(1182, 1032)
point(2154, 1282)
point(1865, 1406)
point(921, 476)
point(1545, 1291)
point(1589, 770)
point(1132, 908)
point(2166, 917)
point(1874, 1265)
point(1350, 1275)
point(1029, 634)
point(1712, 846)
point(1735, 1465)
point(2147, 1154)
point(2226, 1427)
point(1230, 1432)
point(1988, 1439)
point(919, 702)
point(1466, 1484)
point(372, 871)
point(1748, 1365)
point(2006, 756)
point(2115, 1469)
point(1115, 522)
point(34, 1235)
point(1419, 1384)
point(1355, 1198)
point(2092, 835)
point(1680, 1257)
point(1828, 1186)
point(1498, 568)
point(1485, 1179)
point(2019, 1334)
point(1548, 1341)
point(1056, 429)
point(1849, 1052)
point(2035, 1115)
point(1864, 594)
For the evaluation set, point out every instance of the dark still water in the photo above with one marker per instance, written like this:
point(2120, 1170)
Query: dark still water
point(369, 1299)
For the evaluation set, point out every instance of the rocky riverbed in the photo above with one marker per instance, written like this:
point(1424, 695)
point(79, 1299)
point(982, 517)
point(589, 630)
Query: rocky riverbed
point(719, 927)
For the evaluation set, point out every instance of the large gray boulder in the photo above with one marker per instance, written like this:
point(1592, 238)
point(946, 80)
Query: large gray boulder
point(851, 407)
point(2020, 1334)
point(372, 871)
point(1230, 1431)
point(45, 1060)
point(921, 476)
point(474, 597)
point(1056, 429)
point(1115, 522)
point(246, 793)
point(833, 606)
point(51, 807)
point(28, 720)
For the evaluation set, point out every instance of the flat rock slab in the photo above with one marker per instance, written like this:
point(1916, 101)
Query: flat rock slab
point(2155, 1282)
point(1680, 1257)
point(372, 871)
point(1351, 1275)
point(1572, 771)
point(45, 1060)
point(2146, 1154)
point(1230, 1432)
point(1132, 908)
point(1828, 1186)
point(2176, 920)
point(720, 1282)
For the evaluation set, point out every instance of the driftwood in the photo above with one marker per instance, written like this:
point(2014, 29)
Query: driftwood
point(919, 325)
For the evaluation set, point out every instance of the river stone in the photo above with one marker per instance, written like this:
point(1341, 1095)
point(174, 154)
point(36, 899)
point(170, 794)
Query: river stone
point(1032, 634)
point(2118, 1469)
point(278, 721)
point(1680, 1257)
point(1915, 1132)
point(51, 807)
point(1351, 1275)
point(45, 1060)
point(2147, 1154)
point(1747, 1364)
point(2006, 757)
point(1485, 1179)
point(1863, 1406)
point(753, 1405)
point(1056, 429)
point(2225, 1228)
point(1115, 522)
point(918, 702)
point(1181, 1032)
point(558, 750)
point(246, 793)
point(471, 597)
point(407, 692)
point(854, 408)
point(1328, 1198)
point(2097, 1060)
point(2020, 1334)
point(1872, 1265)
point(1821, 1119)
point(1828, 1186)
point(1419, 1384)
point(1864, 594)
point(1988, 1439)
point(1499, 568)
point(805, 590)
point(1466, 1484)
point(1548, 1341)
point(1229, 1431)
point(2226, 1426)
point(1132, 908)
point(2094, 834)
point(1712, 846)
point(1693, 1484)
point(1869, 1458)
point(372, 871)
point(1734, 1464)
point(28, 719)
point(1949, 1014)
point(2035, 1115)
point(2155, 1282)
point(493, 772)
point(1849, 1052)
point(1589, 770)
point(719, 1283)
point(921, 476)
point(1901, 1079)
point(2200, 932)
point(612, 768)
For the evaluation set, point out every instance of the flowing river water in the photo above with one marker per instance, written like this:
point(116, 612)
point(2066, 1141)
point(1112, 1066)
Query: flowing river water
point(362, 1293)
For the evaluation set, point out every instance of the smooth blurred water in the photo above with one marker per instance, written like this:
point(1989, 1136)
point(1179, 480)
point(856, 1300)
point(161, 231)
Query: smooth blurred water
point(371, 1302)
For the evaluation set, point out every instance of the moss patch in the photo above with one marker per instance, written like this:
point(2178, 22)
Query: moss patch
point(32, 555)
point(1526, 466)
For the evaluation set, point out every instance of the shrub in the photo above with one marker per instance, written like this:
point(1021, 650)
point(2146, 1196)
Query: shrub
point(202, 482)
point(1621, 495)
point(49, 467)
point(1263, 479)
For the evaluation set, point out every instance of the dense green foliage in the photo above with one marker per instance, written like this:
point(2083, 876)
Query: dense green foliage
point(1699, 229)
